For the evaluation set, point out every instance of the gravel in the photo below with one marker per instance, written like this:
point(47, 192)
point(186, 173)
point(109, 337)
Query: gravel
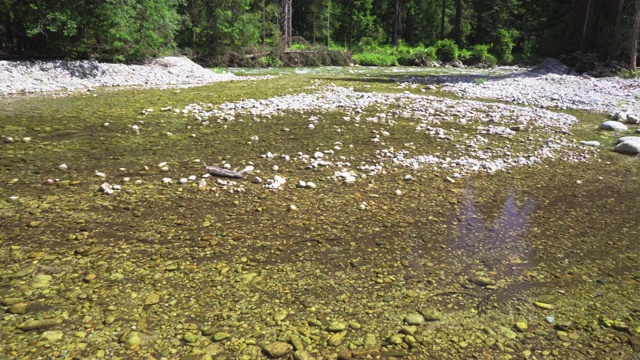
point(19, 77)
point(545, 89)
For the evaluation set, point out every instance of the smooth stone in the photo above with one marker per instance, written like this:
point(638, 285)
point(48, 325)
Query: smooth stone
point(190, 338)
point(221, 335)
point(547, 299)
point(152, 299)
point(508, 333)
point(629, 145)
point(431, 315)
point(522, 326)
point(302, 355)
point(296, 342)
point(396, 339)
point(336, 339)
point(612, 125)
point(345, 354)
point(52, 336)
point(370, 341)
point(542, 305)
point(19, 308)
point(337, 326)
point(40, 324)
point(133, 341)
point(592, 143)
point(414, 319)
point(41, 281)
point(277, 349)
point(482, 280)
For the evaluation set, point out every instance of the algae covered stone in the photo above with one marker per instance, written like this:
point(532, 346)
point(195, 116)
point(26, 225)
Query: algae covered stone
point(277, 349)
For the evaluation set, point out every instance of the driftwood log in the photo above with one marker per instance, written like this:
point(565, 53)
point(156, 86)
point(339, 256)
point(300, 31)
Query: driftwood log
point(222, 172)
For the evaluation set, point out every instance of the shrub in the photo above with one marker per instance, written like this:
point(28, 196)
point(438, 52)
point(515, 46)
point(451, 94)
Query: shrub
point(446, 50)
point(375, 59)
point(270, 61)
point(503, 44)
point(479, 54)
point(417, 56)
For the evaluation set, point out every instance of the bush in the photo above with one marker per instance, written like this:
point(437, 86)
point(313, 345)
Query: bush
point(419, 56)
point(270, 61)
point(446, 50)
point(503, 44)
point(375, 59)
point(479, 54)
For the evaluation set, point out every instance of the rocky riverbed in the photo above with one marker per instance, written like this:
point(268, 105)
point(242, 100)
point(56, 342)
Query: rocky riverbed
point(20, 77)
point(375, 219)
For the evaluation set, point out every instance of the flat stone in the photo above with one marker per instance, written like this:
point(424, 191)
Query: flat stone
point(592, 143)
point(370, 341)
point(220, 335)
point(337, 326)
point(41, 281)
point(19, 308)
point(152, 299)
point(482, 280)
point(277, 349)
point(345, 354)
point(40, 324)
point(336, 339)
point(612, 125)
point(414, 319)
point(52, 336)
point(133, 341)
point(431, 315)
point(302, 355)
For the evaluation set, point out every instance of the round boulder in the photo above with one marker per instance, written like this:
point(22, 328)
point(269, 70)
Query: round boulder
point(628, 145)
point(613, 126)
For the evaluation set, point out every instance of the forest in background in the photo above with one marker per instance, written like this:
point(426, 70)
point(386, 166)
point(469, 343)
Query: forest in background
point(261, 32)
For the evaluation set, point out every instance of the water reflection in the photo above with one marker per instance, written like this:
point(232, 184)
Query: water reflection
point(498, 245)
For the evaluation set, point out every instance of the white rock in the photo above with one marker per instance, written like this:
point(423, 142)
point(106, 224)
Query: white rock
point(633, 119)
point(63, 167)
point(280, 179)
point(592, 143)
point(227, 166)
point(398, 192)
point(311, 127)
point(164, 169)
point(247, 169)
point(318, 155)
point(275, 167)
point(362, 206)
point(408, 177)
point(105, 124)
point(138, 182)
point(311, 185)
point(126, 179)
point(26, 139)
point(256, 180)
point(135, 129)
point(105, 186)
point(117, 187)
point(192, 178)
point(183, 180)
point(301, 184)
point(167, 180)
point(628, 145)
point(293, 208)
point(162, 164)
point(12, 198)
point(100, 174)
point(168, 108)
point(613, 126)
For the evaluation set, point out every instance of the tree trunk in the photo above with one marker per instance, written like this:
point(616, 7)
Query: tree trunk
point(444, 13)
point(396, 23)
point(329, 24)
point(458, 23)
point(616, 31)
point(634, 38)
point(586, 30)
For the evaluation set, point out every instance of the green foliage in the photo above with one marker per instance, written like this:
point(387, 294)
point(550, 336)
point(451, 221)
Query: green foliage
point(270, 61)
point(375, 59)
point(503, 44)
point(479, 80)
point(418, 56)
point(446, 50)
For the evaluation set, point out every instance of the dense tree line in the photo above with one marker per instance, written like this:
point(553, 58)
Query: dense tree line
point(213, 30)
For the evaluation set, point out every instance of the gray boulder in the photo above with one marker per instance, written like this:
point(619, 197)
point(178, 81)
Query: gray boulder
point(628, 145)
point(613, 126)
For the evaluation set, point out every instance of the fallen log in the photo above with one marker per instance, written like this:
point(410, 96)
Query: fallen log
point(222, 172)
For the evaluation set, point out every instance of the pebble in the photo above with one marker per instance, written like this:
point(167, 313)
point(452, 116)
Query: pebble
point(613, 126)
point(63, 167)
point(414, 319)
point(337, 326)
point(41, 281)
point(167, 180)
point(522, 326)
